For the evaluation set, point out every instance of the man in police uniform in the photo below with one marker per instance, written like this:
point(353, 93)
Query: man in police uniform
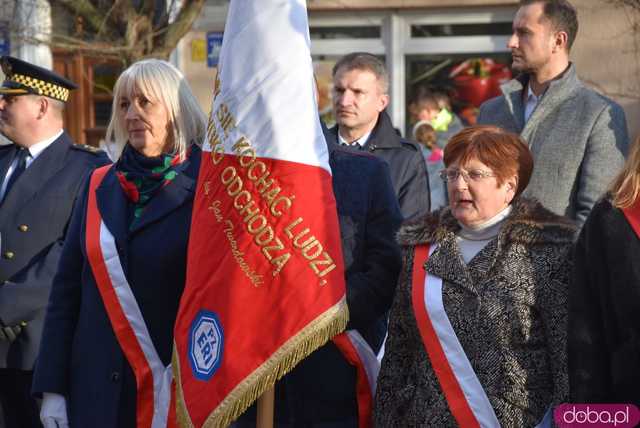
point(41, 174)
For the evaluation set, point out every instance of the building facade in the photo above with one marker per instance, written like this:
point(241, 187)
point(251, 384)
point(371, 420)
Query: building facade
point(422, 42)
point(453, 46)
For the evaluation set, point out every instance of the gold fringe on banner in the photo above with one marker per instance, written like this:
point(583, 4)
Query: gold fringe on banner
point(182, 414)
point(314, 335)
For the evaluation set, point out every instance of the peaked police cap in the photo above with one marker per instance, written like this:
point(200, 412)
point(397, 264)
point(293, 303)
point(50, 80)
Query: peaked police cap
point(22, 78)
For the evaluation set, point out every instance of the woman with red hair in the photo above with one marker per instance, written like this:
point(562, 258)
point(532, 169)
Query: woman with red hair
point(477, 331)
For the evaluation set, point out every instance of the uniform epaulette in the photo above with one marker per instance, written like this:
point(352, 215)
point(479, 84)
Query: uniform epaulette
point(87, 148)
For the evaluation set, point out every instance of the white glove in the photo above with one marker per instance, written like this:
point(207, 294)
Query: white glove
point(9, 334)
point(53, 412)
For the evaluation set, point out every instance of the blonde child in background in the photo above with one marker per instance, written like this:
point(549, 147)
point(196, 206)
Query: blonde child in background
point(427, 137)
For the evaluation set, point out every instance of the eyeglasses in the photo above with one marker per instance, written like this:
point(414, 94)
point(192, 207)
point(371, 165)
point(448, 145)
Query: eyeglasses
point(451, 175)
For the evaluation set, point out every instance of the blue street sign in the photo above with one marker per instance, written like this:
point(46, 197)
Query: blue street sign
point(214, 44)
point(5, 39)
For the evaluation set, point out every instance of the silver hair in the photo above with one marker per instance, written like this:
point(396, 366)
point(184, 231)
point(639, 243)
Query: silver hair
point(159, 80)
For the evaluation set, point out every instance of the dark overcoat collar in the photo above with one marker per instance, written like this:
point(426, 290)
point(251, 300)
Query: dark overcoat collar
point(383, 135)
point(330, 136)
point(112, 202)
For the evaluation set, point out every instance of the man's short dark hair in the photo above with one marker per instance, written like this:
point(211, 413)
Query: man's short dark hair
point(561, 14)
point(364, 61)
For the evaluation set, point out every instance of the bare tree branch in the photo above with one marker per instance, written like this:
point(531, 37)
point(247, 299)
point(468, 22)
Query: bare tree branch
point(189, 12)
point(85, 9)
point(148, 8)
point(118, 29)
point(109, 17)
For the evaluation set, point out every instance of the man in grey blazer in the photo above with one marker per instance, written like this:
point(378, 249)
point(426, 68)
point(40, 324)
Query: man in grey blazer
point(578, 137)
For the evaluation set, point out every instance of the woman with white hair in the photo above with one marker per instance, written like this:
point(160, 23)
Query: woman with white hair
point(106, 348)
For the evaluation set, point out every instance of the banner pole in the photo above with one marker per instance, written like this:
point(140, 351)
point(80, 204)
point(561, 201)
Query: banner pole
point(265, 409)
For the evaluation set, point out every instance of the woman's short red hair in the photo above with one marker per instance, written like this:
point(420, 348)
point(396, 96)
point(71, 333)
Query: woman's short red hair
point(502, 151)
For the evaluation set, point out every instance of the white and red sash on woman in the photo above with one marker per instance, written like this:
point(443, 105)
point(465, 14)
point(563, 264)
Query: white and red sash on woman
point(465, 396)
point(467, 400)
point(154, 408)
point(632, 214)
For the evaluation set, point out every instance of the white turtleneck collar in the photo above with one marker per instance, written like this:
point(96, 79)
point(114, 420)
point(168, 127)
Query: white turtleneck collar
point(472, 239)
point(485, 230)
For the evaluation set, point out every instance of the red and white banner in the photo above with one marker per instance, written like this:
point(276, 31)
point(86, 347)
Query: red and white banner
point(265, 277)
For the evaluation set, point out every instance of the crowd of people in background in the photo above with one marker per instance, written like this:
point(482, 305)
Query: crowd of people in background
point(497, 259)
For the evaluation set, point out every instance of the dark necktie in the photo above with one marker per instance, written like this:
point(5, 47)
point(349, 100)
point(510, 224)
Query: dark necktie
point(20, 167)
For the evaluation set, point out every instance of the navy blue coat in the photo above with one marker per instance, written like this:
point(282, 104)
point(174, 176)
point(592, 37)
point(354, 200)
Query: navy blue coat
point(79, 355)
point(33, 222)
point(321, 389)
point(406, 165)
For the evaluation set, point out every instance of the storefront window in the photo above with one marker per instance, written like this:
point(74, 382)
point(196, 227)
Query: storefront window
point(459, 52)
point(336, 32)
point(322, 70)
point(104, 78)
point(448, 30)
point(466, 80)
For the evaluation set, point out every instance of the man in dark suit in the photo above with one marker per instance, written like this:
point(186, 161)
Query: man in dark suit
point(360, 97)
point(41, 174)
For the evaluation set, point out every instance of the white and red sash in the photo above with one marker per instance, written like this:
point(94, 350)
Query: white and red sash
point(465, 396)
point(632, 214)
point(467, 400)
point(154, 407)
point(358, 353)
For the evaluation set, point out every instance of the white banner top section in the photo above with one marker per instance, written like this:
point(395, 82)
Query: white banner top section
point(265, 90)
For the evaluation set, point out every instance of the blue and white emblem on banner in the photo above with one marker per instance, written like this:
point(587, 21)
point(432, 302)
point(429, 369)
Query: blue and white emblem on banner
point(205, 344)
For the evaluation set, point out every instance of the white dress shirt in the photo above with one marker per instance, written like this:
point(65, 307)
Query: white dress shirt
point(359, 142)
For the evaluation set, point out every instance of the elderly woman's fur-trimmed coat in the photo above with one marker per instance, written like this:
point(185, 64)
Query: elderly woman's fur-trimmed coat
point(508, 307)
